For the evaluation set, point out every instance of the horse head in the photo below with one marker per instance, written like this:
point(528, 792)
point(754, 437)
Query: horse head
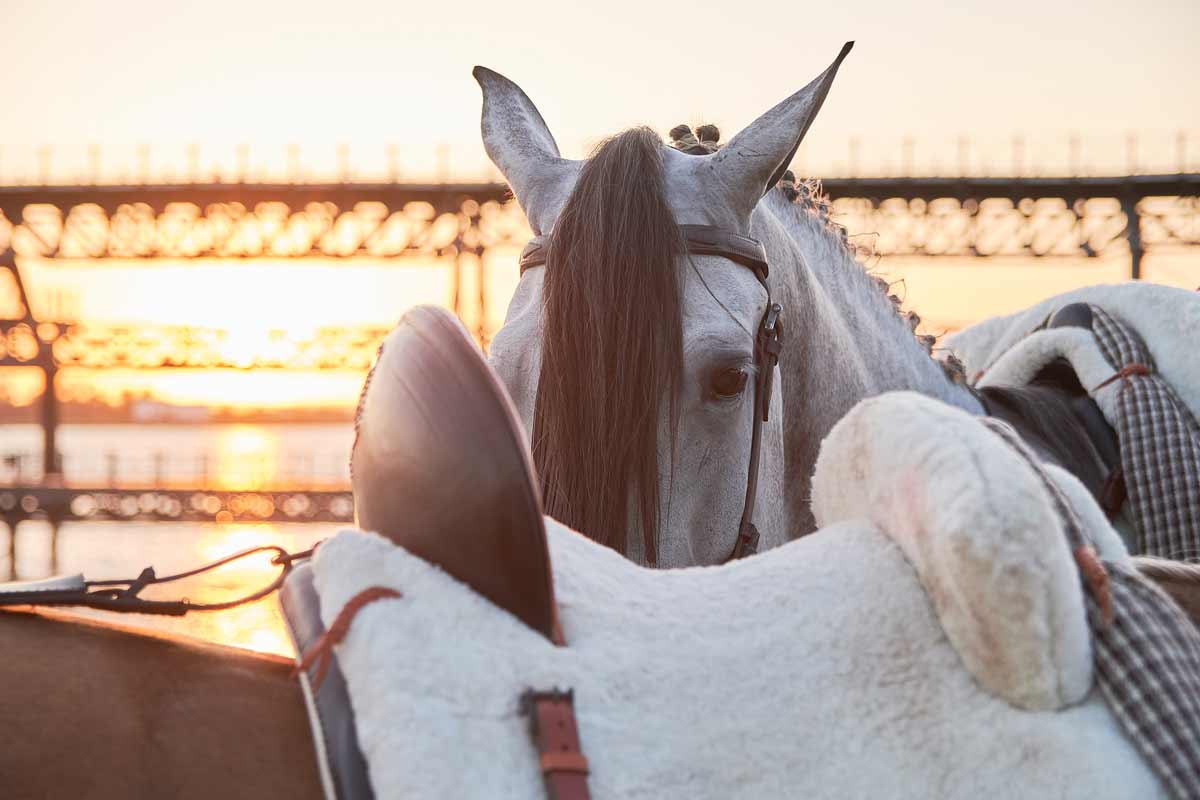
point(631, 356)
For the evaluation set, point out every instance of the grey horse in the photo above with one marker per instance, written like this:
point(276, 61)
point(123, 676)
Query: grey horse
point(631, 362)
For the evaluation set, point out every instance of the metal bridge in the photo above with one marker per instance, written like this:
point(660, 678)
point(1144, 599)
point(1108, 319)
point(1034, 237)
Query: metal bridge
point(1094, 217)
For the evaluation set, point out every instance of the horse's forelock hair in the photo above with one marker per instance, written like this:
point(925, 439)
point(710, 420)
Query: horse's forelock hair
point(612, 345)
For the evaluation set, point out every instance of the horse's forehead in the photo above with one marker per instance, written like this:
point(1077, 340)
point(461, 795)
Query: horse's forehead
point(694, 193)
point(721, 297)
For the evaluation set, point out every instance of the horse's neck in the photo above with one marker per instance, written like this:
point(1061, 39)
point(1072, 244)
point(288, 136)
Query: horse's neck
point(843, 340)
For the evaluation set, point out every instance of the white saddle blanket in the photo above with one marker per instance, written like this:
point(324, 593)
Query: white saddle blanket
point(1167, 319)
point(928, 641)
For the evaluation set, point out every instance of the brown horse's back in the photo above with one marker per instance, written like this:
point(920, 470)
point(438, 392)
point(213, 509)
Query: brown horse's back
point(91, 710)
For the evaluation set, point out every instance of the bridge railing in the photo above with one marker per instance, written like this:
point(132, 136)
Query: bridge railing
point(174, 471)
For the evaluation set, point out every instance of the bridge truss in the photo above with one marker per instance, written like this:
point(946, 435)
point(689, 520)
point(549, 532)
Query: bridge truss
point(1124, 216)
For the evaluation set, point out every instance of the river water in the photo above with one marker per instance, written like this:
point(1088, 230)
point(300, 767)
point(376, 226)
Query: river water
point(227, 456)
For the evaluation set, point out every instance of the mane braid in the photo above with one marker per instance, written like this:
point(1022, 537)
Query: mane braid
point(810, 199)
point(612, 353)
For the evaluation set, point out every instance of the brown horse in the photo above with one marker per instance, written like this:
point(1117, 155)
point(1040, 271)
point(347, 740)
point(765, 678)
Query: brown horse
point(89, 709)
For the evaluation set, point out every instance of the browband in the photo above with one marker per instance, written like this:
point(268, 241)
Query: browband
point(701, 240)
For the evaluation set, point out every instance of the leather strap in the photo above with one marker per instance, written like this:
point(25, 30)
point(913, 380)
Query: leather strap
point(535, 253)
point(554, 732)
point(767, 346)
point(701, 240)
point(124, 595)
point(709, 240)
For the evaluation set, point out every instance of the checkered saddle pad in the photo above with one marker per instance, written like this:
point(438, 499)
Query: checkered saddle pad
point(1160, 445)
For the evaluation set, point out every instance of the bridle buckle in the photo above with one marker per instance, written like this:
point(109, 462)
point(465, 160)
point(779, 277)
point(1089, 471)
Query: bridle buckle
point(768, 348)
point(747, 542)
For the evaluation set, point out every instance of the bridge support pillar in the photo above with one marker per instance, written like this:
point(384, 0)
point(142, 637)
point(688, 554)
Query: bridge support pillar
point(1133, 232)
point(11, 524)
point(51, 466)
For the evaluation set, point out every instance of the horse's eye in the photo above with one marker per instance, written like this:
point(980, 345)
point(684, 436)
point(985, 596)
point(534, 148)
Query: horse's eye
point(730, 382)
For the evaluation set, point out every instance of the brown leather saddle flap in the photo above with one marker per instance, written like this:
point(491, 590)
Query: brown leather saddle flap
point(441, 467)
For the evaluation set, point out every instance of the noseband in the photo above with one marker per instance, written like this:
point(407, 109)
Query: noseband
point(708, 240)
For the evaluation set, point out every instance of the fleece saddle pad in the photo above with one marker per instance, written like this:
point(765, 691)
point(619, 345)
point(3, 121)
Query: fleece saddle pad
point(1132, 347)
point(1166, 319)
point(931, 640)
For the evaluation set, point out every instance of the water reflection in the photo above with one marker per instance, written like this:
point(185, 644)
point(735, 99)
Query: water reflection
point(246, 458)
point(234, 457)
point(120, 550)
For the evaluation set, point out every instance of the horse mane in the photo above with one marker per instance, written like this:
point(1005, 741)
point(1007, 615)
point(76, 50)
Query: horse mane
point(813, 206)
point(606, 376)
point(1043, 412)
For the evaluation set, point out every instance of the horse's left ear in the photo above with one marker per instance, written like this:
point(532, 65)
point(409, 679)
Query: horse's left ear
point(756, 158)
point(521, 146)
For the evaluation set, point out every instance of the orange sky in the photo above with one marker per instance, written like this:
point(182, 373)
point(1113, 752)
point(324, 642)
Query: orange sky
point(366, 73)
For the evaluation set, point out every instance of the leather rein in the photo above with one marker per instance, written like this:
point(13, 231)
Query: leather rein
point(709, 240)
point(123, 595)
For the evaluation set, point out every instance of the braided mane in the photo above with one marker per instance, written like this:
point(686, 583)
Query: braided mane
point(809, 197)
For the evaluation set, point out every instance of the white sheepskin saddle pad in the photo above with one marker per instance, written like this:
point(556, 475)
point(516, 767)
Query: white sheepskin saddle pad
point(928, 641)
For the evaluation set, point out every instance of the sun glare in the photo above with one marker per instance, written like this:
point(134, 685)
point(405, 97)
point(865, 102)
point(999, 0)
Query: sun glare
point(246, 458)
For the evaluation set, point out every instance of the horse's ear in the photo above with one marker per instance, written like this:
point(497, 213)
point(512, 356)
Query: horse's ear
point(523, 149)
point(754, 160)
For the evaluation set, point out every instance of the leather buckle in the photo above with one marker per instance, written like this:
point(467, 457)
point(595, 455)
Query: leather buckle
point(747, 542)
point(769, 347)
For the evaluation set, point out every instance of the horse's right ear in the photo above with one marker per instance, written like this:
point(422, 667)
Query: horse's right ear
point(523, 149)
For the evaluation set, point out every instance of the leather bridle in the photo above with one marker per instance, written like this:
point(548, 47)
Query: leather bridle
point(709, 240)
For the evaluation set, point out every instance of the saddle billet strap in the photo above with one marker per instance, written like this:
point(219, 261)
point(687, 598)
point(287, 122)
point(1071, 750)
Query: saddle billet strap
point(556, 736)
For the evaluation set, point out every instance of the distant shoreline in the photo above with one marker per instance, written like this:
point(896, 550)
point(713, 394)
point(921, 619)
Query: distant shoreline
point(163, 414)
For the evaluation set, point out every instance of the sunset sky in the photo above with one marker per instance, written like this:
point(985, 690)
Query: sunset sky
point(366, 74)
point(196, 82)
